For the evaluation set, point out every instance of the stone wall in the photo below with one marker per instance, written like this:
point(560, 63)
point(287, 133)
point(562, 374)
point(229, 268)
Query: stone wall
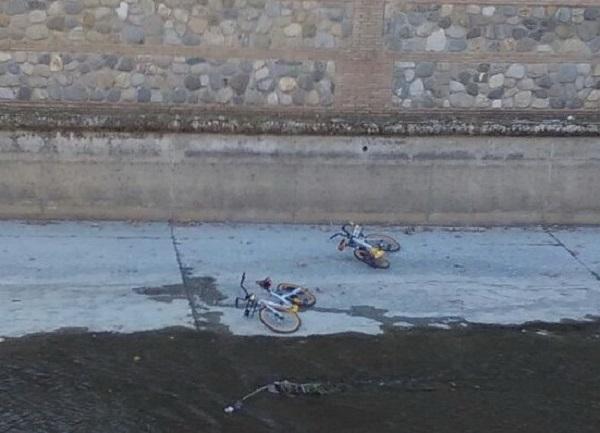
point(362, 57)
point(228, 23)
point(496, 85)
point(502, 28)
point(164, 79)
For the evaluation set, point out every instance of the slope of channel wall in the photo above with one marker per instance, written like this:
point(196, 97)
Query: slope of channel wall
point(405, 111)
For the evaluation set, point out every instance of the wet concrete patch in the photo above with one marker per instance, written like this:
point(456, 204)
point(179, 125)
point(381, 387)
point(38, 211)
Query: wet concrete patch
point(388, 321)
point(200, 292)
point(369, 312)
point(204, 288)
point(165, 293)
point(211, 320)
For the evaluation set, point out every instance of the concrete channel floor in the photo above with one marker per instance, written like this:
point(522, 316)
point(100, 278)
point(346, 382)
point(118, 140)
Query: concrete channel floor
point(121, 277)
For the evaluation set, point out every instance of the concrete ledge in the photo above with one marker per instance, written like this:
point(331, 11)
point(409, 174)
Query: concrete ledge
point(413, 180)
point(152, 118)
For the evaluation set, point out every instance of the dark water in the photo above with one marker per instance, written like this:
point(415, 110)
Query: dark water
point(473, 380)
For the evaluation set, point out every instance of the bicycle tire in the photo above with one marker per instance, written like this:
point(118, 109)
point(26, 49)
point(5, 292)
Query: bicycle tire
point(365, 257)
point(304, 299)
point(271, 321)
point(385, 242)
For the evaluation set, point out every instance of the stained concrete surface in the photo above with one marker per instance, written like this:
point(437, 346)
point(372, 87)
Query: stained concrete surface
point(133, 277)
point(81, 275)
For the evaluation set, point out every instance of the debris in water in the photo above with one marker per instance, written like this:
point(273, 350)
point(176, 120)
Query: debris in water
point(288, 388)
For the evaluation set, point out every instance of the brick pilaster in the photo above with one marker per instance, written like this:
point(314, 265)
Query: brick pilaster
point(364, 74)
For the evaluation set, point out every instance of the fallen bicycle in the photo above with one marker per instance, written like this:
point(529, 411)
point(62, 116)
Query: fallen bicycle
point(280, 312)
point(369, 249)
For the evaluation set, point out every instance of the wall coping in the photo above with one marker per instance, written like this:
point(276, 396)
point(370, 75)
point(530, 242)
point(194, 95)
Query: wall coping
point(133, 118)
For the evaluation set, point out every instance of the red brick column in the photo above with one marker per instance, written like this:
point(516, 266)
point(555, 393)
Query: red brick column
point(364, 75)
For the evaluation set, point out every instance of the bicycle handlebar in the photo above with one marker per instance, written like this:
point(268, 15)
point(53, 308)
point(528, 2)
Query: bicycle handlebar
point(338, 234)
point(345, 230)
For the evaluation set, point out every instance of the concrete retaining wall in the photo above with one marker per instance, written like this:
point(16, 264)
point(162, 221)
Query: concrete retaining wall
point(422, 180)
point(107, 106)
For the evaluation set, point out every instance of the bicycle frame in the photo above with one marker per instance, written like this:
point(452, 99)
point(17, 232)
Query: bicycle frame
point(356, 239)
point(253, 303)
point(276, 308)
point(283, 299)
point(373, 254)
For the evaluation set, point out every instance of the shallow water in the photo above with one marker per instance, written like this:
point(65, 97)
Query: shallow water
point(463, 380)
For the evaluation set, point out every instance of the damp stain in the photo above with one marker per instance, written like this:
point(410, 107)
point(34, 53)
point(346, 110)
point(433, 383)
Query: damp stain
point(203, 288)
point(166, 293)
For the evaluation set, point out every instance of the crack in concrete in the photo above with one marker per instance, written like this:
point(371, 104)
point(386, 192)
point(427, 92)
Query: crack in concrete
point(572, 253)
point(203, 289)
point(184, 279)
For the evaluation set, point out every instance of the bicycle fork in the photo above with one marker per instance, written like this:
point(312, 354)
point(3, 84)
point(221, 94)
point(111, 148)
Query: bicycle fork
point(250, 307)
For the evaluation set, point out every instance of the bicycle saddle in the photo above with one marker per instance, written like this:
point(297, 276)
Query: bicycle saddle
point(265, 284)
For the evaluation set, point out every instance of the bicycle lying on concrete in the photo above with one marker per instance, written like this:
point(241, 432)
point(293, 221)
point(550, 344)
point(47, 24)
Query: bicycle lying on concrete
point(369, 249)
point(280, 315)
point(297, 295)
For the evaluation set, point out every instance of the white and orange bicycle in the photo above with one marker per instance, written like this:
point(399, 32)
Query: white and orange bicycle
point(280, 312)
point(369, 249)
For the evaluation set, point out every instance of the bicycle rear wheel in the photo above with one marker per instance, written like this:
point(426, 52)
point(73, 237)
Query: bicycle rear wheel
point(365, 257)
point(281, 321)
point(304, 298)
point(385, 242)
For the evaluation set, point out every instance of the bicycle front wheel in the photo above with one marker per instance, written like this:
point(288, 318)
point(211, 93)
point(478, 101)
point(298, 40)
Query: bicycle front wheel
point(280, 321)
point(304, 298)
point(385, 242)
